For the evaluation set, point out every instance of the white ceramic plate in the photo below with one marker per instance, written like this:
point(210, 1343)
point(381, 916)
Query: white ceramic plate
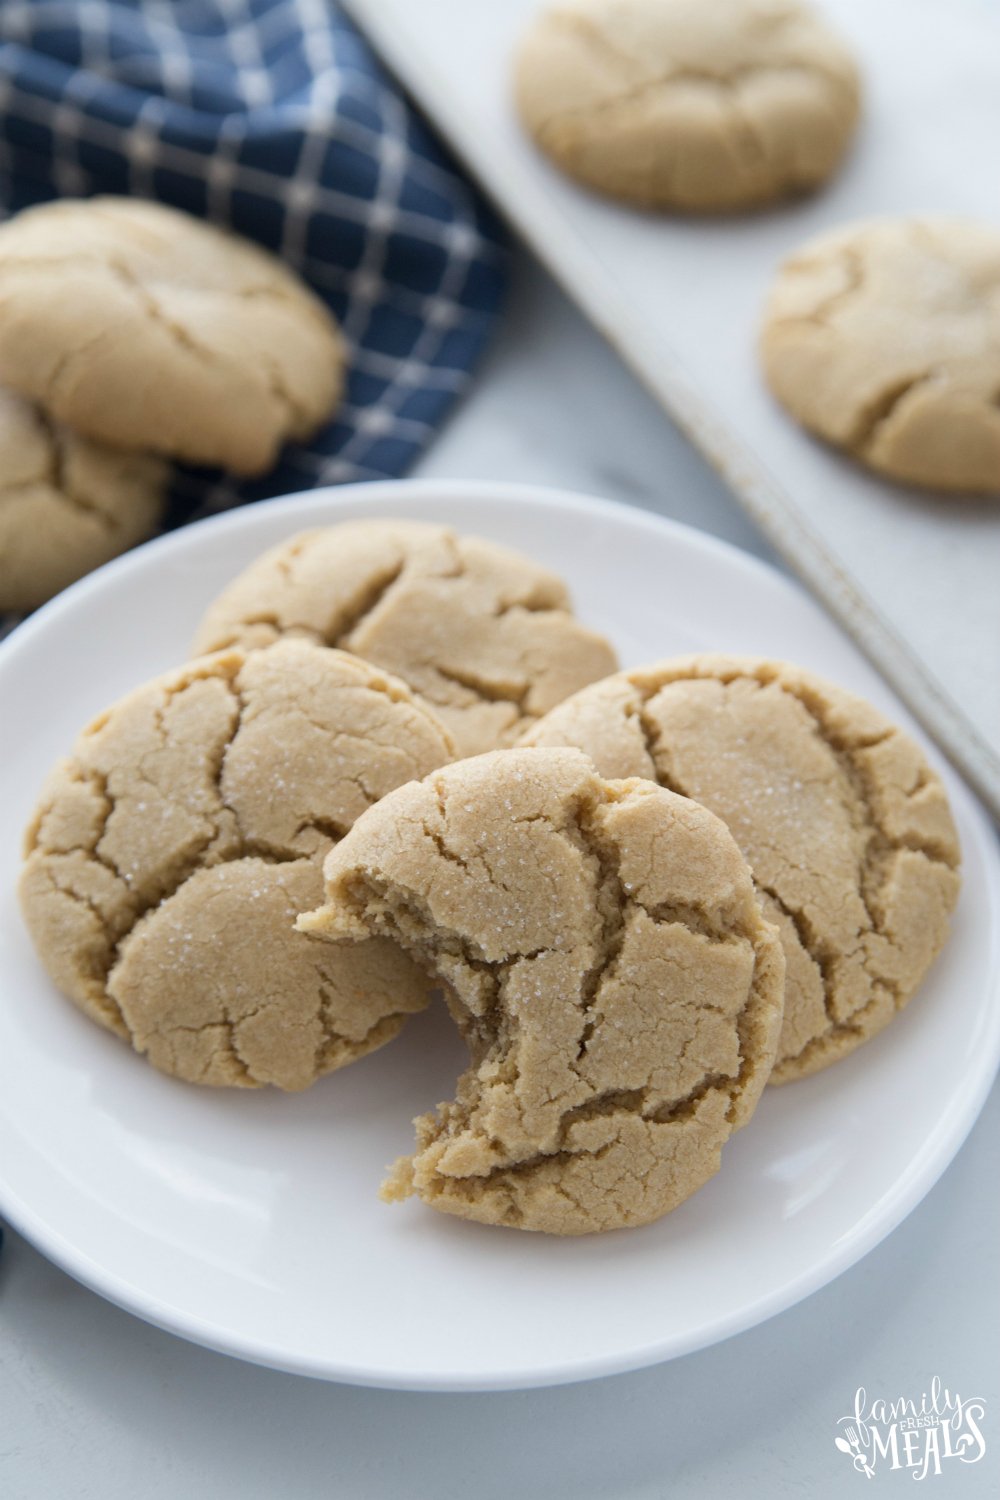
point(251, 1222)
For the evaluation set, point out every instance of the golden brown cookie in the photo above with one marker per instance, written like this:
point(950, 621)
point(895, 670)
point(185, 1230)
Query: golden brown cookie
point(704, 105)
point(845, 826)
point(485, 635)
point(606, 960)
point(143, 327)
point(171, 853)
point(884, 338)
point(66, 504)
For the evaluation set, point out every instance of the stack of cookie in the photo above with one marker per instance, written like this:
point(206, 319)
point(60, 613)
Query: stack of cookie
point(131, 333)
point(400, 763)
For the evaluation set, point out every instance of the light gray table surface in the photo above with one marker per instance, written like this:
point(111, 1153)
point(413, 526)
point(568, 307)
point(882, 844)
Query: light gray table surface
point(95, 1403)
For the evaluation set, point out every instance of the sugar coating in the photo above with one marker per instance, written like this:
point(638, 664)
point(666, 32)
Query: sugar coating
point(143, 327)
point(687, 104)
point(66, 504)
point(884, 338)
point(604, 956)
point(483, 634)
point(171, 853)
point(845, 826)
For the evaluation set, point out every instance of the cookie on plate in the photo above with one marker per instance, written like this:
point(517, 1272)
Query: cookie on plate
point(845, 826)
point(884, 338)
point(484, 634)
point(171, 853)
point(66, 504)
point(689, 105)
point(606, 960)
point(143, 327)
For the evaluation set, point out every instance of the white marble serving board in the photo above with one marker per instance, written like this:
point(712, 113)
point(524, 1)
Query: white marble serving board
point(915, 577)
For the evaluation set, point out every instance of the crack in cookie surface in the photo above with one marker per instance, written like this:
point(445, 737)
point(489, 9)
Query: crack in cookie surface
point(602, 952)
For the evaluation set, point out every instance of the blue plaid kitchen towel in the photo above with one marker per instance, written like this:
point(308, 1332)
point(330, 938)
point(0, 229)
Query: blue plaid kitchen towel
point(271, 117)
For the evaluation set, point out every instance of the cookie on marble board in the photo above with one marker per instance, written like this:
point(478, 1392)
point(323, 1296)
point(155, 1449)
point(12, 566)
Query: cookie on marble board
point(66, 504)
point(846, 827)
point(485, 635)
point(682, 104)
point(171, 853)
point(143, 327)
point(605, 958)
point(884, 338)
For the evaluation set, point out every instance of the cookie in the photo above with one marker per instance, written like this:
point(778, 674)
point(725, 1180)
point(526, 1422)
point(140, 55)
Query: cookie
point(142, 327)
point(66, 504)
point(485, 635)
point(605, 958)
point(884, 339)
point(845, 826)
point(172, 851)
point(688, 105)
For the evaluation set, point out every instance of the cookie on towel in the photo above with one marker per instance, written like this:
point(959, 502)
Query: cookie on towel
point(884, 339)
point(171, 853)
point(700, 105)
point(143, 327)
point(484, 634)
point(845, 826)
point(605, 958)
point(66, 504)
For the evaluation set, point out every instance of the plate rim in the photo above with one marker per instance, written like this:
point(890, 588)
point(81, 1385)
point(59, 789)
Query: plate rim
point(950, 1131)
